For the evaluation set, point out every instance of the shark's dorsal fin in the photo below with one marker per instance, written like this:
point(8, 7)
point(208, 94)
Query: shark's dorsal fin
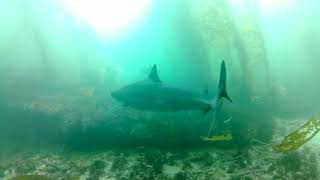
point(153, 76)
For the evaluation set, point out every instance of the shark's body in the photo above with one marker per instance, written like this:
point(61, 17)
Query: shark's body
point(155, 95)
point(149, 95)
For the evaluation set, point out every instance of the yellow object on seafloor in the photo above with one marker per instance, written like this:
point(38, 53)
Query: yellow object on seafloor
point(299, 137)
point(227, 137)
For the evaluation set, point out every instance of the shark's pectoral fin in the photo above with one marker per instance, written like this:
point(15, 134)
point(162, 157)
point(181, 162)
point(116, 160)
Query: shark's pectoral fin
point(153, 76)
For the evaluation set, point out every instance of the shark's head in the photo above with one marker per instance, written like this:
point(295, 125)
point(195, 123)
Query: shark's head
point(129, 93)
point(119, 95)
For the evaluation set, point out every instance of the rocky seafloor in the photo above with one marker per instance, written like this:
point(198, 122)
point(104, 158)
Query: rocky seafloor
point(253, 159)
point(256, 162)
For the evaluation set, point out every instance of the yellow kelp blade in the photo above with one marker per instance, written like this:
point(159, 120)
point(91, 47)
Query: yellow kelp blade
point(299, 137)
point(227, 137)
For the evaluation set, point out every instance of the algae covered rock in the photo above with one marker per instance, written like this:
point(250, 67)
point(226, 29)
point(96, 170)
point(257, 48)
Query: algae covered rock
point(118, 163)
point(180, 176)
point(2, 169)
point(26, 167)
point(156, 159)
point(97, 169)
point(31, 177)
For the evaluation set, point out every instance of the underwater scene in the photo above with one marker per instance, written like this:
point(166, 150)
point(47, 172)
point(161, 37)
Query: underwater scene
point(159, 90)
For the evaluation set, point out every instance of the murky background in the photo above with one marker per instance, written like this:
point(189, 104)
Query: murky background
point(61, 59)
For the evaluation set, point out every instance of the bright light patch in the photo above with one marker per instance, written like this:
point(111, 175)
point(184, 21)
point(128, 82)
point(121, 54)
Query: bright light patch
point(265, 6)
point(109, 17)
point(272, 6)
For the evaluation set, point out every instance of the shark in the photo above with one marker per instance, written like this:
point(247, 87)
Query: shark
point(152, 94)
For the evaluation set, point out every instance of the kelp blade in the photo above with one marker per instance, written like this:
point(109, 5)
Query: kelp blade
point(227, 137)
point(299, 137)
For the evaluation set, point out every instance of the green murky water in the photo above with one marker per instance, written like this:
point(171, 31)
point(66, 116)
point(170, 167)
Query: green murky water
point(60, 60)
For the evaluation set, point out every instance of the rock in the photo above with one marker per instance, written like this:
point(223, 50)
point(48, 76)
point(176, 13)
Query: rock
point(171, 170)
point(232, 168)
point(186, 166)
point(31, 177)
point(156, 159)
point(180, 176)
point(26, 167)
point(2, 170)
point(118, 163)
point(98, 164)
point(97, 169)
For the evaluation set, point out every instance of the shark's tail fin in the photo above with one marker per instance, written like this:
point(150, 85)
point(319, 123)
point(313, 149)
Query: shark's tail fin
point(222, 93)
point(222, 87)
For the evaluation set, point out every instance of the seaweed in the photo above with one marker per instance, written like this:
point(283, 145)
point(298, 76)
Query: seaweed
point(299, 137)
